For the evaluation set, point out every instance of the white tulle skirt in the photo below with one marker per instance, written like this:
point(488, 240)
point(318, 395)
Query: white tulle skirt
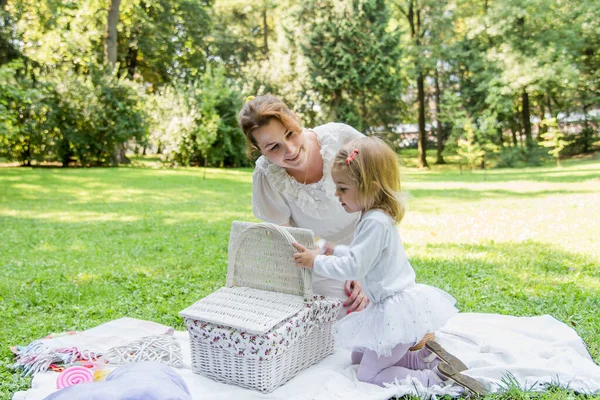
point(402, 318)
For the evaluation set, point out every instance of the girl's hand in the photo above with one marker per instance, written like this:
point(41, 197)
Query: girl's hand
point(305, 258)
point(357, 300)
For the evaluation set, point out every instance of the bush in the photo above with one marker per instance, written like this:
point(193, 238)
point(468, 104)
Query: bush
point(581, 143)
point(26, 129)
point(514, 157)
point(196, 124)
point(83, 119)
point(510, 157)
point(97, 114)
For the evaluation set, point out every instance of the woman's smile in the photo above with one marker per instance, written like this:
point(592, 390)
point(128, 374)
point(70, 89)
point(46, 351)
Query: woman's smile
point(295, 157)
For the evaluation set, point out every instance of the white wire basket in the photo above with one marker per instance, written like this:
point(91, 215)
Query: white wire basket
point(266, 325)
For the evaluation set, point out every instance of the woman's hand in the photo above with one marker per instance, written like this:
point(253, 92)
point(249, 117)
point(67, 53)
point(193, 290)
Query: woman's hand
point(357, 300)
point(328, 248)
point(305, 258)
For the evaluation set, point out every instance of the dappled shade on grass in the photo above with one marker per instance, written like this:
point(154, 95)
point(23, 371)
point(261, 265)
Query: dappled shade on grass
point(84, 246)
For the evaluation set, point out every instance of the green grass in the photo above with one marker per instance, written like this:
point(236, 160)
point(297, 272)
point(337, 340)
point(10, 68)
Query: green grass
point(84, 246)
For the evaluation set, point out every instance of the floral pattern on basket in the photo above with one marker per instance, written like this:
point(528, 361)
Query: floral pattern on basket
point(265, 347)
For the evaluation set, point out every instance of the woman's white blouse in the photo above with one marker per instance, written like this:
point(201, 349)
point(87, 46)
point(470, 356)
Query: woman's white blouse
point(280, 199)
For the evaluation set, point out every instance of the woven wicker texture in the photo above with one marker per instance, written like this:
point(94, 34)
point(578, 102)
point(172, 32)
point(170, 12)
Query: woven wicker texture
point(261, 257)
point(264, 289)
point(265, 376)
point(161, 348)
point(252, 310)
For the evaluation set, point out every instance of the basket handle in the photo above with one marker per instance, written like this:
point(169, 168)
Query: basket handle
point(233, 253)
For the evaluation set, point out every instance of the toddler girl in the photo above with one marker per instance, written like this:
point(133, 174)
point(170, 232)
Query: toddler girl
point(401, 312)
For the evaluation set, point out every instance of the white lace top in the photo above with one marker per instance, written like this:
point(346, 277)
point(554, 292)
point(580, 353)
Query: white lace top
point(280, 199)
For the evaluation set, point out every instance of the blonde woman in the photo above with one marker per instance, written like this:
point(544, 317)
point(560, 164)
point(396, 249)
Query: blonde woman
point(292, 185)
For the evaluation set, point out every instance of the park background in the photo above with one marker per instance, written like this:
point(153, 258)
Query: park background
point(492, 106)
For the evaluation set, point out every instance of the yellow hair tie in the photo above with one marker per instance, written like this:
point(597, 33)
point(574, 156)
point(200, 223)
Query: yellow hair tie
point(249, 98)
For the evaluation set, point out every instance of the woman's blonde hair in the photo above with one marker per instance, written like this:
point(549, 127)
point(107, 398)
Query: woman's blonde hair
point(373, 167)
point(258, 112)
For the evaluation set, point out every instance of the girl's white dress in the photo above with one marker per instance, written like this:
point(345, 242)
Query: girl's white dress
point(401, 311)
point(280, 199)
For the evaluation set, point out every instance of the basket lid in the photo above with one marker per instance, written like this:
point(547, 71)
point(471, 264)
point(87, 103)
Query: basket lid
point(250, 310)
point(261, 257)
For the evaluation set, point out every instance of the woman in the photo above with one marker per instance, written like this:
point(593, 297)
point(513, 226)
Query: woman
point(291, 184)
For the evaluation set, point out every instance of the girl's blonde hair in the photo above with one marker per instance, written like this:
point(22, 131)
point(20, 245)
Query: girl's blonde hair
point(373, 167)
point(258, 112)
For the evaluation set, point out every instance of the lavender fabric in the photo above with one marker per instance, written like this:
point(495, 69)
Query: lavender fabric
point(146, 380)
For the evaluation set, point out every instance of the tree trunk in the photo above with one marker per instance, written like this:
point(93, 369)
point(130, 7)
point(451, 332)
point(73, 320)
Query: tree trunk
point(110, 42)
point(541, 127)
point(414, 20)
point(549, 105)
point(110, 57)
point(335, 105)
point(119, 155)
point(440, 132)
point(586, 129)
point(131, 61)
point(526, 120)
point(513, 130)
point(422, 145)
point(265, 31)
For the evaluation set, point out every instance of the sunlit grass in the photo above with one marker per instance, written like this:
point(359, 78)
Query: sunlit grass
point(83, 246)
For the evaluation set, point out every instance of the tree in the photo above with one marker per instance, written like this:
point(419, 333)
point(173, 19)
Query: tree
point(26, 133)
point(110, 41)
point(534, 60)
point(195, 123)
point(8, 51)
point(156, 40)
point(242, 31)
point(110, 57)
point(414, 12)
point(554, 140)
point(164, 40)
point(353, 56)
point(468, 147)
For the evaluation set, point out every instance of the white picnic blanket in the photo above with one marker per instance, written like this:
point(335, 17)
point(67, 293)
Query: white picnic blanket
point(534, 351)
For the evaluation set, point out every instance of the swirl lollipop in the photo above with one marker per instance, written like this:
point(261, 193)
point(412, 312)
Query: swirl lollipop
point(73, 376)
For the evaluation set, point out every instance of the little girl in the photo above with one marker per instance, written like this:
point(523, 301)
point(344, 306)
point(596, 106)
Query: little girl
point(367, 178)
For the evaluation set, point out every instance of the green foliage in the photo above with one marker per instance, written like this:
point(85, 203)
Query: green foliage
point(238, 35)
point(195, 124)
point(468, 148)
point(353, 60)
point(71, 118)
point(511, 156)
point(26, 131)
point(8, 49)
point(96, 114)
point(163, 40)
point(159, 40)
point(554, 140)
point(583, 142)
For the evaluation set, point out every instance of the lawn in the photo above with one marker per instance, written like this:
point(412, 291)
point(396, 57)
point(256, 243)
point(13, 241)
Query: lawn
point(84, 246)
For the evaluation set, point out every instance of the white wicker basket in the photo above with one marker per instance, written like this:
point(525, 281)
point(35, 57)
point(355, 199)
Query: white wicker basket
point(266, 325)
